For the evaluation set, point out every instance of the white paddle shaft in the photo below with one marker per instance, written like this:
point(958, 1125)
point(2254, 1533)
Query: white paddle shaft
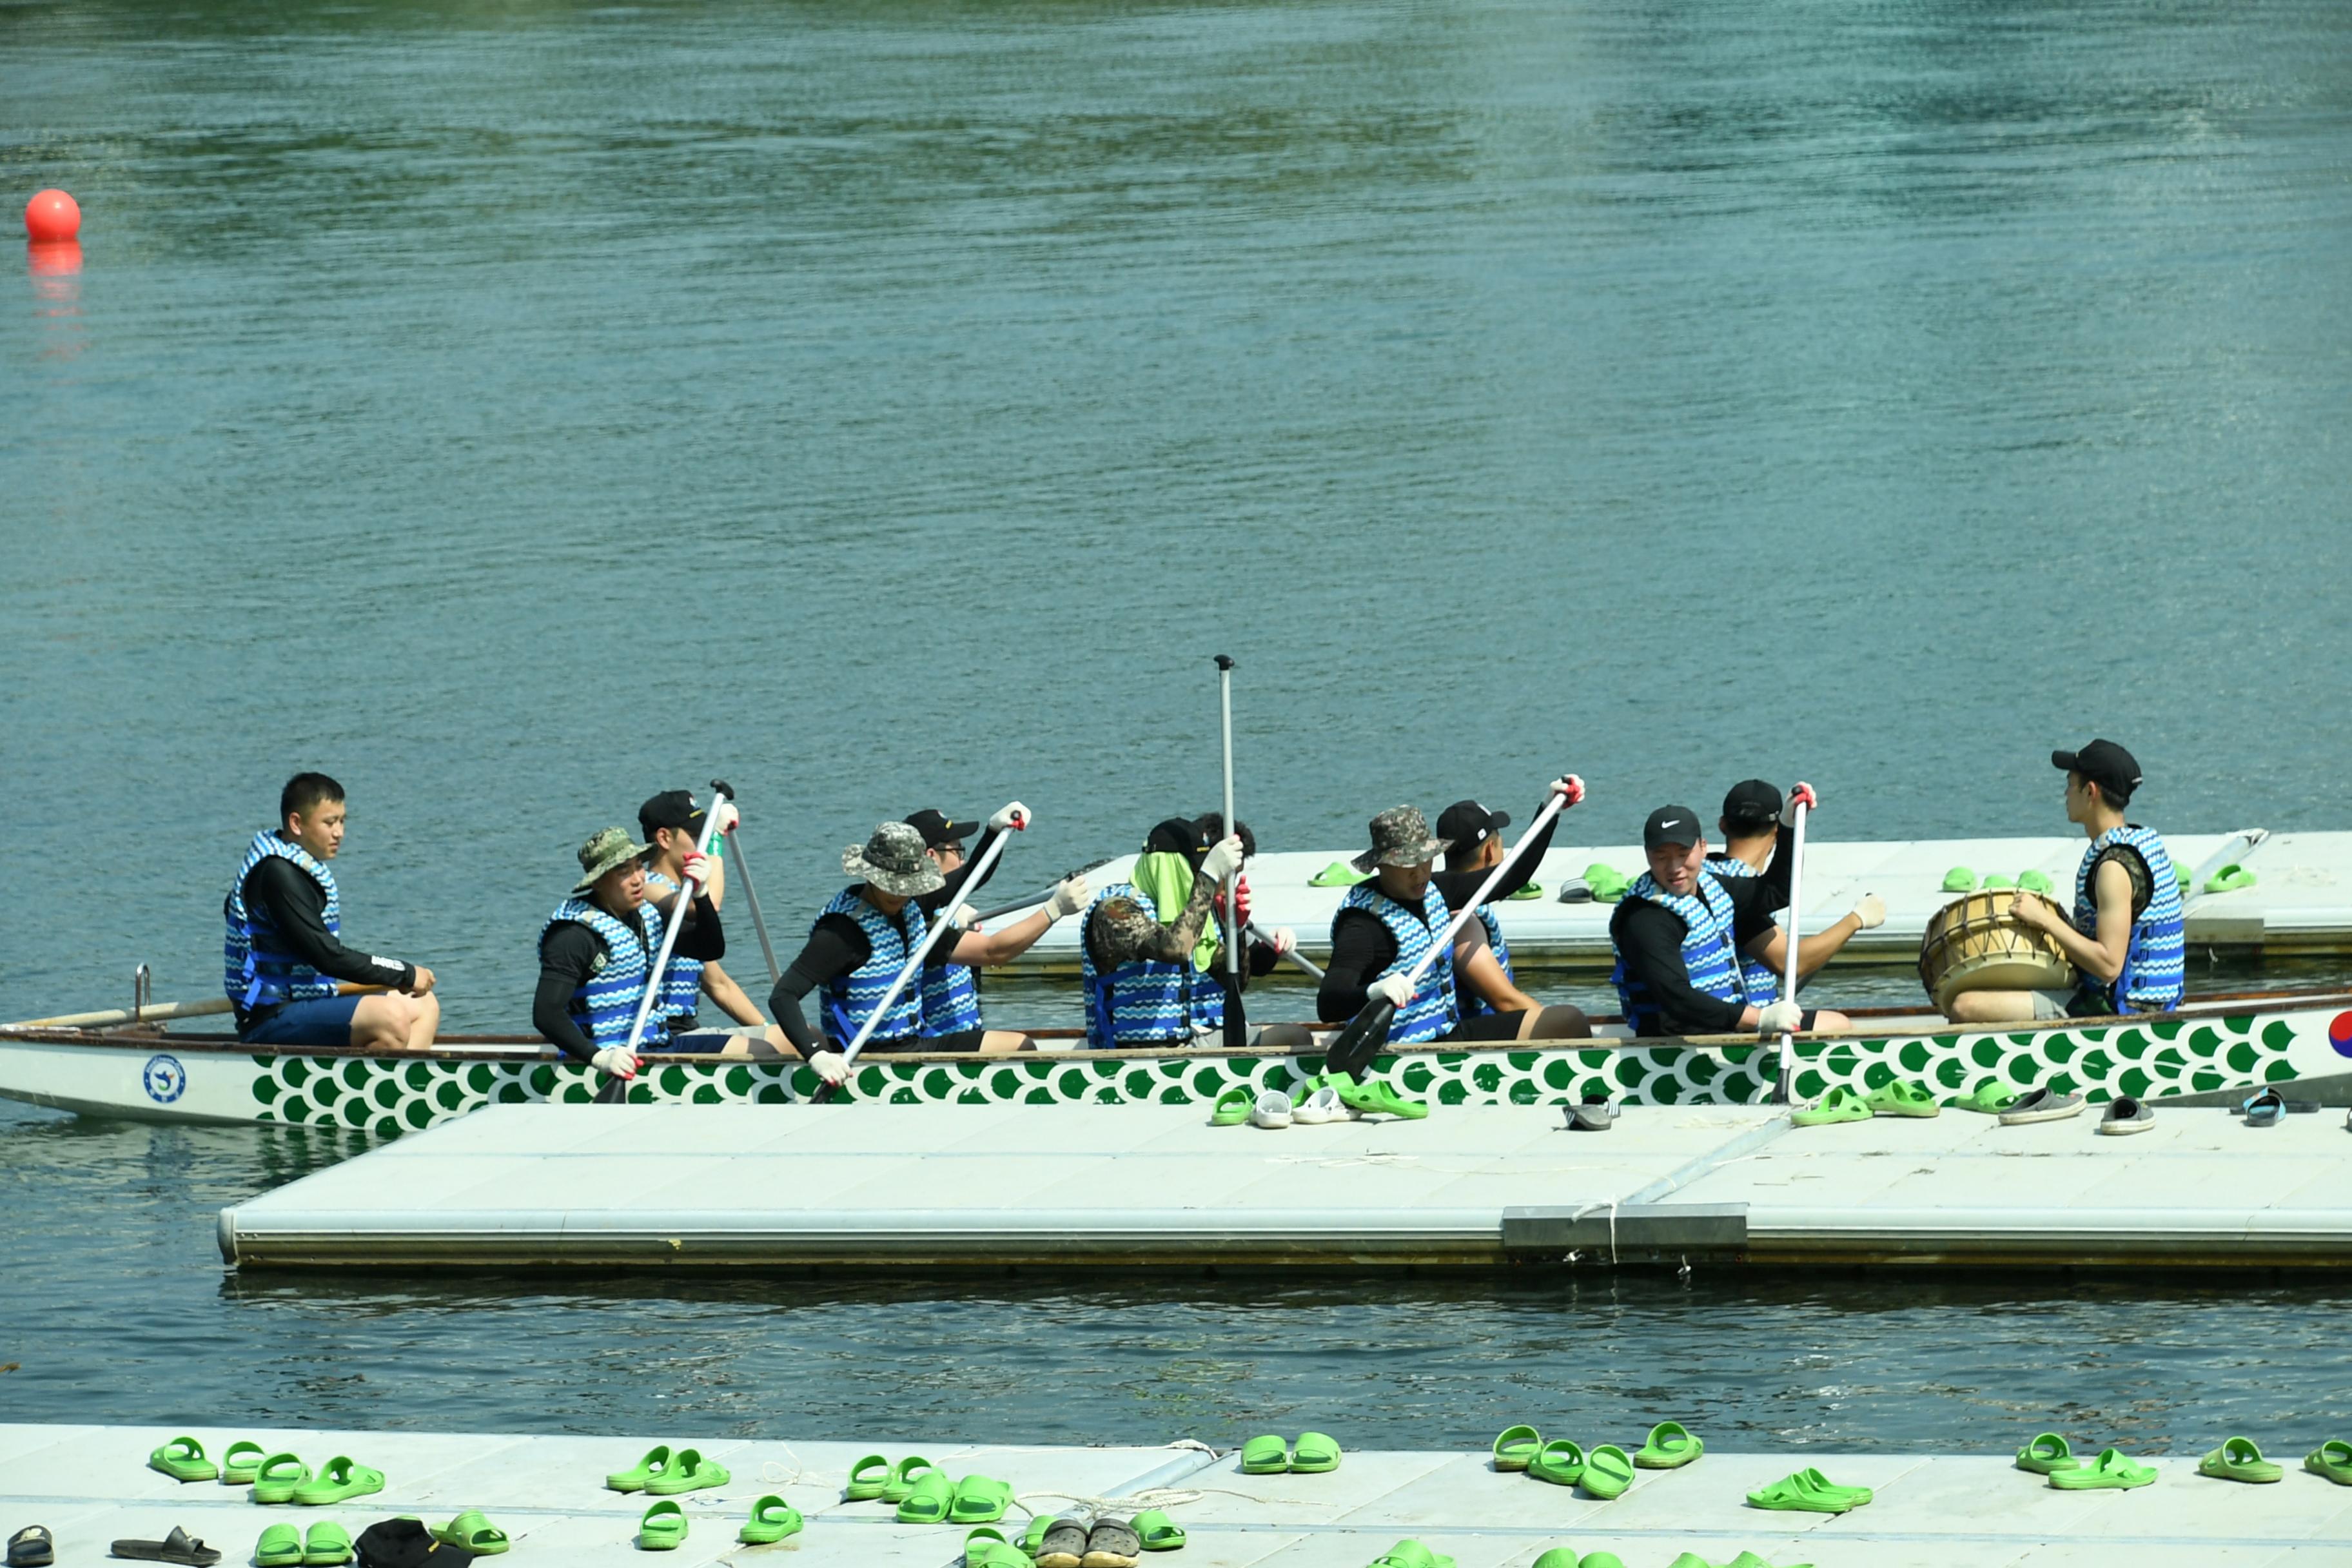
point(1796, 909)
point(1226, 703)
point(1297, 957)
point(678, 911)
point(942, 924)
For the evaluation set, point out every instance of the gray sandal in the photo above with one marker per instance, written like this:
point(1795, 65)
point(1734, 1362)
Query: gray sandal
point(1065, 1543)
point(1112, 1543)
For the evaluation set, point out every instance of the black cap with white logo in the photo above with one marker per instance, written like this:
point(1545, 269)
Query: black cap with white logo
point(1676, 825)
point(2106, 765)
point(1466, 825)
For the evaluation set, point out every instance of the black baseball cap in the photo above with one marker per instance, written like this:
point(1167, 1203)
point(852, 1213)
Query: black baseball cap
point(1466, 825)
point(671, 808)
point(940, 831)
point(1752, 804)
point(2106, 765)
point(1672, 824)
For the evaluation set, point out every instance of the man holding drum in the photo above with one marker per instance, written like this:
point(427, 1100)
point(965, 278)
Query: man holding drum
point(2126, 936)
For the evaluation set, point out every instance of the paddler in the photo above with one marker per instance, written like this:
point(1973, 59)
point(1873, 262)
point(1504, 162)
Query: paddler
point(597, 955)
point(672, 824)
point(1681, 933)
point(1483, 976)
point(1752, 832)
point(864, 938)
point(1385, 926)
point(2125, 937)
point(284, 953)
point(950, 991)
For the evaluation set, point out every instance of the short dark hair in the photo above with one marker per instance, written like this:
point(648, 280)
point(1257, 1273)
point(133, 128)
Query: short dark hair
point(1210, 826)
point(304, 791)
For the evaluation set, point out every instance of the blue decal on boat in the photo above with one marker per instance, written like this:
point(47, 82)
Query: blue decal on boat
point(164, 1079)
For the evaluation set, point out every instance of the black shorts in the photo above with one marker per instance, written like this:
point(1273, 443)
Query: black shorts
point(911, 1045)
point(1485, 1027)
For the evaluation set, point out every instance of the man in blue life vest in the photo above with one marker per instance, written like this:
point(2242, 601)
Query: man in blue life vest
point(2125, 937)
point(672, 824)
point(284, 950)
point(1385, 927)
point(1751, 831)
point(865, 936)
point(1483, 976)
point(596, 955)
point(1681, 933)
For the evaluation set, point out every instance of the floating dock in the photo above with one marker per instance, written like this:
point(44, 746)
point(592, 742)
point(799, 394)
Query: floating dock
point(90, 1486)
point(1155, 1186)
point(2300, 903)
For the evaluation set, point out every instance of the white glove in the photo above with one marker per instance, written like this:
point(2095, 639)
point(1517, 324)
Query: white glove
point(695, 867)
point(1569, 786)
point(725, 814)
point(1780, 1018)
point(1871, 911)
point(1802, 794)
point(1014, 815)
point(615, 1062)
point(1069, 897)
point(1393, 989)
point(830, 1066)
point(1224, 858)
point(1282, 939)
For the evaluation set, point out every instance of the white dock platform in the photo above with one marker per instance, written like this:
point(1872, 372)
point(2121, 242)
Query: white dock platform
point(2300, 902)
point(1157, 1186)
point(90, 1485)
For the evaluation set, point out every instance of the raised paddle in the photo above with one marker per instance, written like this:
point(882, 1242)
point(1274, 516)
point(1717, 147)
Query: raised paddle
point(1225, 706)
point(940, 924)
point(1032, 901)
point(615, 1090)
point(750, 895)
point(1796, 891)
point(1368, 1031)
point(1297, 957)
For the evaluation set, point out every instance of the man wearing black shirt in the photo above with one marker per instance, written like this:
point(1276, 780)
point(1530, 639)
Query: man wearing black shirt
point(596, 953)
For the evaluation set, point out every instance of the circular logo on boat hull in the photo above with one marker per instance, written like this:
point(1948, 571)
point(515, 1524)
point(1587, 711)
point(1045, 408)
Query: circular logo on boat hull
point(2340, 1033)
point(164, 1079)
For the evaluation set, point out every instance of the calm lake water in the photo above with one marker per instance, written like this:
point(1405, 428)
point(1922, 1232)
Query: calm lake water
point(514, 410)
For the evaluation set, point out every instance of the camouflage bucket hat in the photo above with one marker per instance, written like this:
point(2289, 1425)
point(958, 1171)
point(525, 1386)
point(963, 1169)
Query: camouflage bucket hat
point(609, 848)
point(1400, 836)
point(893, 861)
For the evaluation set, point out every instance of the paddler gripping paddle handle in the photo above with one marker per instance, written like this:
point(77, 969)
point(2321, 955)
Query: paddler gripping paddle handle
point(1313, 970)
point(1368, 1031)
point(1032, 901)
point(939, 926)
point(616, 1088)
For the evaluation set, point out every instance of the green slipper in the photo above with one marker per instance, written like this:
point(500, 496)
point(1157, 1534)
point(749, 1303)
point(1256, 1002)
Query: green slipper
point(275, 1478)
point(183, 1460)
point(2239, 1460)
point(2113, 1470)
point(326, 1544)
point(927, 1501)
point(902, 1477)
point(2046, 1454)
point(1997, 882)
point(1601, 1560)
point(986, 1548)
point(1749, 1559)
point(2035, 883)
point(1822, 1486)
point(2332, 1460)
point(1959, 879)
point(663, 1529)
point(1559, 1461)
point(1900, 1099)
point(1338, 874)
point(339, 1479)
point(1515, 1446)
point(1526, 890)
point(1791, 1495)
point(1558, 1557)
point(866, 1479)
point(1608, 1472)
point(1033, 1537)
point(1840, 1104)
point(240, 1461)
point(281, 1546)
point(689, 1472)
point(1608, 883)
point(1670, 1446)
point(1232, 1108)
point(1374, 1098)
point(472, 1533)
point(979, 1499)
point(1158, 1531)
point(655, 1461)
point(1268, 1456)
point(1313, 1455)
point(1990, 1098)
point(2229, 880)
point(1689, 1559)
point(1409, 1554)
point(771, 1520)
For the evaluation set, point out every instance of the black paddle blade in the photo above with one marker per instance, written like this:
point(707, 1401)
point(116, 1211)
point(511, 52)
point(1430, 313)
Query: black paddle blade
point(822, 1093)
point(1361, 1041)
point(614, 1092)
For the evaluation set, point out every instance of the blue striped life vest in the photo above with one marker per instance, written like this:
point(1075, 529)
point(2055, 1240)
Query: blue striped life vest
point(1763, 985)
point(681, 992)
point(1710, 957)
point(2156, 966)
point(851, 999)
point(1145, 1001)
point(606, 1006)
point(256, 970)
point(1472, 1004)
point(951, 999)
point(1431, 1010)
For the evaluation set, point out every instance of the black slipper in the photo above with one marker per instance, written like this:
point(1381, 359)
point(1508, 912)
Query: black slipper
point(1592, 1116)
point(176, 1547)
point(32, 1548)
point(1112, 1543)
point(1065, 1543)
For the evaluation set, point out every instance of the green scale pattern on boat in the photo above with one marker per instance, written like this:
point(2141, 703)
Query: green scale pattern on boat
point(2160, 1057)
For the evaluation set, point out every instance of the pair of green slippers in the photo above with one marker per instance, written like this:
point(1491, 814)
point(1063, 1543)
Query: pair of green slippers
point(1745, 1560)
point(1314, 1454)
point(1669, 1447)
point(1960, 879)
point(284, 1545)
point(1809, 1491)
point(663, 1528)
point(184, 1460)
point(1895, 1098)
point(923, 1494)
point(2048, 1453)
point(662, 1473)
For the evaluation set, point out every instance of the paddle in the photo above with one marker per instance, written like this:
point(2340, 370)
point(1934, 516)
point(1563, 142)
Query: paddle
point(750, 896)
point(1225, 705)
point(1796, 891)
point(615, 1090)
point(1297, 957)
point(941, 923)
point(1368, 1031)
point(1031, 900)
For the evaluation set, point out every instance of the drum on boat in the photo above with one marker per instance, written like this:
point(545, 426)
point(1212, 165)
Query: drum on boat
point(1976, 943)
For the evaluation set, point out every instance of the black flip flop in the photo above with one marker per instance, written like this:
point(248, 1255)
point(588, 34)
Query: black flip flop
point(31, 1547)
point(177, 1547)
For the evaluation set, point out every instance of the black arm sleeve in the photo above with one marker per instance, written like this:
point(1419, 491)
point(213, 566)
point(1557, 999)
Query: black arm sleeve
point(1460, 887)
point(288, 897)
point(946, 894)
point(1755, 899)
point(1360, 948)
point(701, 936)
point(835, 948)
point(566, 958)
point(1649, 941)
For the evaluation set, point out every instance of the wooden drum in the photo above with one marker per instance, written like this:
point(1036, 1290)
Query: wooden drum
point(1975, 944)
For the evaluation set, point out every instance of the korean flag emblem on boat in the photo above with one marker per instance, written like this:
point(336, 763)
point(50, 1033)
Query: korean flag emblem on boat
point(164, 1079)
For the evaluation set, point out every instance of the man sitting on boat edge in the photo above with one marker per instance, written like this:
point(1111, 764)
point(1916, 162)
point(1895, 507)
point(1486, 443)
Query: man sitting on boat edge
point(1751, 832)
point(284, 953)
point(2126, 936)
point(672, 825)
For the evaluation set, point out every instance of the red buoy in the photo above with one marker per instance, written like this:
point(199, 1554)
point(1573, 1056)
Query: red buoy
point(52, 216)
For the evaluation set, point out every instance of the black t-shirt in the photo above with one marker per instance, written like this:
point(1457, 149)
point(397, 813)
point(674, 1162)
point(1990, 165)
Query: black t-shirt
point(567, 957)
point(291, 899)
